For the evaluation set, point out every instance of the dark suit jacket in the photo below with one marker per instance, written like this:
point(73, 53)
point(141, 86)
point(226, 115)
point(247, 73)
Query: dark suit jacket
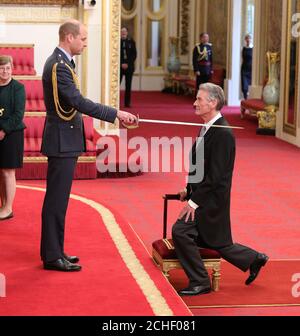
point(12, 100)
point(212, 194)
point(66, 138)
point(130, 51)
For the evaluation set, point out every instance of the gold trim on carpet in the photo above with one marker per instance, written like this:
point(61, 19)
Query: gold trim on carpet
point(152, 294)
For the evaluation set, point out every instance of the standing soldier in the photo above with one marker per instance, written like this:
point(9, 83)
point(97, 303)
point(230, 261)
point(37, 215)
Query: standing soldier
point(202, 60)
point(128, 57)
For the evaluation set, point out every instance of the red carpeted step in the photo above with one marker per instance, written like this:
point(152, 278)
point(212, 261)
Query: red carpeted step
point(105, 286)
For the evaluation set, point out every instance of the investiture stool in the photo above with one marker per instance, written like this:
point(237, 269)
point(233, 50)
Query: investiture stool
point(203, 60)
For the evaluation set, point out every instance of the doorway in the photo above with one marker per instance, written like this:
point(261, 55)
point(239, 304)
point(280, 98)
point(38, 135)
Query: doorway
point(146, 21)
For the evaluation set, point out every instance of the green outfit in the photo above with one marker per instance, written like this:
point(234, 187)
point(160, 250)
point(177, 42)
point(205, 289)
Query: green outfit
point(12, 100)
point(12, 107)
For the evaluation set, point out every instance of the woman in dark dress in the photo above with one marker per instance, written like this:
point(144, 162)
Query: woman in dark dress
point(12, 107)
point(246, 71)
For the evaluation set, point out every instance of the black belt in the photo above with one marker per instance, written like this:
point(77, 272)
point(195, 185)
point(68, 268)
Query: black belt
point(205, 63)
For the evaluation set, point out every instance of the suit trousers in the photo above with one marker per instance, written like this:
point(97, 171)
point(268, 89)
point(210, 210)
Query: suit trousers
point(128, 81)
point(185, 235)
point(59, 182)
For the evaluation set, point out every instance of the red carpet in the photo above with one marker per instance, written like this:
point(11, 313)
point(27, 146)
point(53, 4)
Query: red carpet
point(265, 193)
point(265, 209)
point(105, 286)
point(273, 287)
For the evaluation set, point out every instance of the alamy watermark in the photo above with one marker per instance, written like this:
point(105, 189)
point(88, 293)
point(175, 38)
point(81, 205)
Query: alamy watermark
point(152, 155)
point(2, 285)
point(296, 286)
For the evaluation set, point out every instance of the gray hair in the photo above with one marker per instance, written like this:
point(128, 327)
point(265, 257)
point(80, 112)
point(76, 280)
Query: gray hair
point(215, 92)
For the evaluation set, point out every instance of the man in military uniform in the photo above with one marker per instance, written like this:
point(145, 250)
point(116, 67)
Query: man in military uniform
point(64, 139)
point(128, 57)
point(203, 61)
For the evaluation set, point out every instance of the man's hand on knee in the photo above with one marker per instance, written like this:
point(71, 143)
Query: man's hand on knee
point(188, 213)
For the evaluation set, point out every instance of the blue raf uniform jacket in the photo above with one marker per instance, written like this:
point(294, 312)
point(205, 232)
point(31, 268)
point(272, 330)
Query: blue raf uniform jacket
point(63, 134)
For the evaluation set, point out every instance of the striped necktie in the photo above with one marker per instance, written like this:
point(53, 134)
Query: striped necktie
point(201, 135)
point(202, 132)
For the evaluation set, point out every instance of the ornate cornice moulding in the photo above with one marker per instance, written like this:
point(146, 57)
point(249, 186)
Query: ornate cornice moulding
point(48, 12)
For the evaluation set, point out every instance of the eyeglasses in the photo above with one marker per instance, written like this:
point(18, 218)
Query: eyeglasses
point(5, 68)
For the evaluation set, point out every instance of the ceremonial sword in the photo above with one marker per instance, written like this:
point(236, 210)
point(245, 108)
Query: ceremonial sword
point(169, 122)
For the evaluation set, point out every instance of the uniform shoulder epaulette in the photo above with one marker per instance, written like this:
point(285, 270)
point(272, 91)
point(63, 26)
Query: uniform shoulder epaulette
point(60, 60)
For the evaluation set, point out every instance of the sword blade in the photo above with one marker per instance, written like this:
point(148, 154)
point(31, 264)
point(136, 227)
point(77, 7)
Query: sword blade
point(169, 122)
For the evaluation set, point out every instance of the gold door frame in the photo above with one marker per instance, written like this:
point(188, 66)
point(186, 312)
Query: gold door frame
point(290, 128)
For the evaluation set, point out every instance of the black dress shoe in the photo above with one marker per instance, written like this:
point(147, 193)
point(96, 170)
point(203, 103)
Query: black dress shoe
point(255, 267)
point(197, 290)
point(71, 259)
point(62, 265)
point(11, 215)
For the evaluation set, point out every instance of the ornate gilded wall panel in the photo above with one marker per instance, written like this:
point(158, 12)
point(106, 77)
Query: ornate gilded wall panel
point(274, 25)
point(217, 29)
point(115, 52)
point(110, 59)
point(184, 26)
point(39, 14)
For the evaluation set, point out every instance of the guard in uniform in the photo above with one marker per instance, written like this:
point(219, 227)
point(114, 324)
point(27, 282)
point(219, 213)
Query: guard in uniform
point(64, 139)
point(203, 61)
point(128, 57)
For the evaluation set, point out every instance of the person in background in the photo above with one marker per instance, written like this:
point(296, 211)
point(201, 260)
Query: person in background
point(246, 70)
point(203, 60)
point(12, 108)
point(128, 57)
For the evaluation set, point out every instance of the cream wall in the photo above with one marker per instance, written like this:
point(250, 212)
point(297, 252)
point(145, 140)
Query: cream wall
point(36, 25)
point(43, 36)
